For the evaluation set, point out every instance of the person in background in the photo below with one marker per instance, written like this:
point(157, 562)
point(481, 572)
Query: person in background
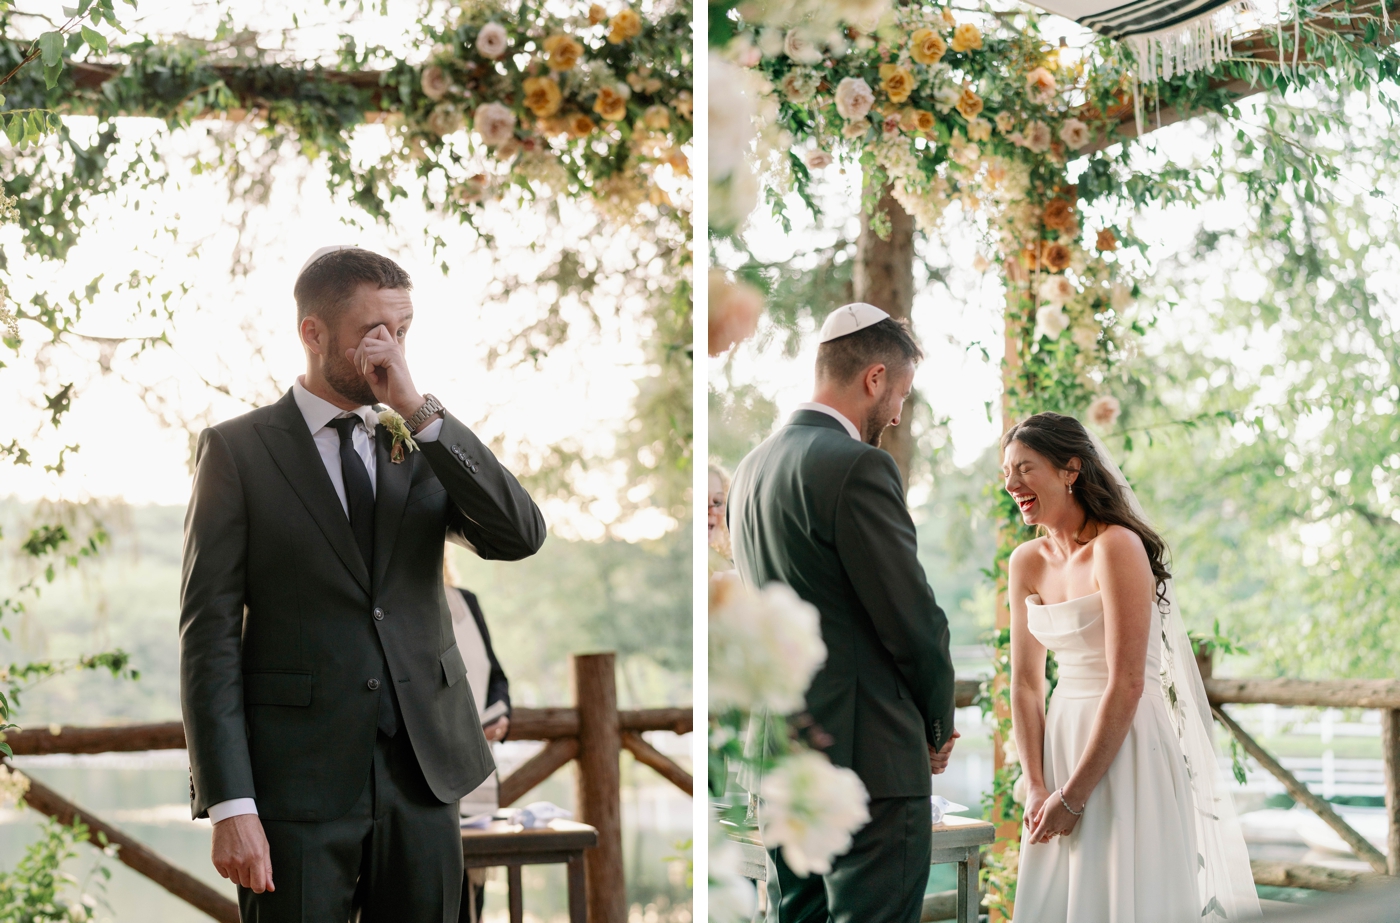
point(721, 554)
point(491, 692)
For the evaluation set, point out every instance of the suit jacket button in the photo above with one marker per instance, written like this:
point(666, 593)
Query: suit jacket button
point(378, 614)
point(373, 684)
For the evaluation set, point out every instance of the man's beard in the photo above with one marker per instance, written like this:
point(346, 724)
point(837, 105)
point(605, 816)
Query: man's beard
point(341, 376)
point(876, 422)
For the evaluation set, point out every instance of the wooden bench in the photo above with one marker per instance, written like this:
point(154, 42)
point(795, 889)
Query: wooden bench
point(956, 839)
point(511, 845)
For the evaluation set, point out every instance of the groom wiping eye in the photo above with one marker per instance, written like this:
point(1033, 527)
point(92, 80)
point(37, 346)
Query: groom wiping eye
point(330, 731)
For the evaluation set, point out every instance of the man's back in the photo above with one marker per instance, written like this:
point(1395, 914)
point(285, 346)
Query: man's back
point(824, 513)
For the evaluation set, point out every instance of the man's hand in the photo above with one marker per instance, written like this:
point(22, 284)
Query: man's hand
point(497, 729)
point(380, 359)
point(240, 852)
point(938, 759)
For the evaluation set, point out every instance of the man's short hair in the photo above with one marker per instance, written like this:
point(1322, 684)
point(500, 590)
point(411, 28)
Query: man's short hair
point(327, 284)
point(890, 342)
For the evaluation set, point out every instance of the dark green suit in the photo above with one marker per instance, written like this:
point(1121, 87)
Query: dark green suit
point(825, 514)
point(288, 641)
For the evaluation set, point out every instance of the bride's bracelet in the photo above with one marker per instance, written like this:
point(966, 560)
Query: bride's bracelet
point(1061, 793)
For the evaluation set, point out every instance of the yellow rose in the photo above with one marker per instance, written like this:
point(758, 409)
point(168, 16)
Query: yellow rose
point(611, 103)
point(626, 24)
point(896, 81)
point(678, 162)
point(967, 37)
point(563, 52)
point(596, 14)
point(919, 120)
point(947, 15)
point(542, 96)
point(969, 104)
point(580, 125)
point(927, 46)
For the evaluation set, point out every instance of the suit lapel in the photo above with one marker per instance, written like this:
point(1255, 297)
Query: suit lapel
point(290, 444)
point(390, 494)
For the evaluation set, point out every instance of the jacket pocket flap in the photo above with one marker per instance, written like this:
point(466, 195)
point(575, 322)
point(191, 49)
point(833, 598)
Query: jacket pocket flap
point(277, 688)
point(429, 487)
point(453, 667)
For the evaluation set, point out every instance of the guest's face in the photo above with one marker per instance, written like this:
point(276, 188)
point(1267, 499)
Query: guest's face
point(717, 504)
point(1041, 490)
point(368, 308)
point(892, 389)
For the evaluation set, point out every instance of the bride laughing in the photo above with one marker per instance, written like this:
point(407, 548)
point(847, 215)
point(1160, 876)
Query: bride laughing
point(1127, 816)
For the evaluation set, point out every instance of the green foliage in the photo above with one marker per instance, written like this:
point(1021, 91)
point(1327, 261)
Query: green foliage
point(38, 890)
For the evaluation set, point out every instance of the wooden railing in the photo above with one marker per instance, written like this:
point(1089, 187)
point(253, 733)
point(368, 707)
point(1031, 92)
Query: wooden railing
point(594, 732)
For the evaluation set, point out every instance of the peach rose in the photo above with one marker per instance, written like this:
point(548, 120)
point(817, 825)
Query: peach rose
point(854, 98)
point(580, 125)
point(1055, 256)
point(596, 14)
point(435, 83)
point(979, 130)
point(1107, 241)
point(969, 104)
point(917, 120)
point(1104, 410)
point(1005, 122)
point(1059, 215)
point(1041, 86)
point(492, 40)
point(657, 118)
point(734, 311)
point(1074, 133)
point(495, 123)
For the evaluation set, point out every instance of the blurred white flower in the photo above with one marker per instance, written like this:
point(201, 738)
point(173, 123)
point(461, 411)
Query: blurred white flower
point(856, 129)
point(731, 895)
point(1037, 137)
point(1050, 321)
point(817, 160)
point(447, 118)
point(733, 188)
point(800, 85)
point(1120, 296)
point(810, 809)
point(764, 646)
point(1009, 752)
point(946, 97)
point(492, 41)
point(1020, 790)
point(495, 123)
point(734, 310)
point(1104, 410)
point(800, 48)
point(1057, 290)
point(854, 98)
point(1086, 336)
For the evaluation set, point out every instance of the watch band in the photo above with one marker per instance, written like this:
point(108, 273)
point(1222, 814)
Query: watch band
point(431, 405)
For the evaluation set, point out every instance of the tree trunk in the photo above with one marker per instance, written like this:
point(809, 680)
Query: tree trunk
point(883, 275)
point(599, 783)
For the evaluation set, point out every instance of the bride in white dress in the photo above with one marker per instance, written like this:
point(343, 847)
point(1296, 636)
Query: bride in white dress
point(1127, 816)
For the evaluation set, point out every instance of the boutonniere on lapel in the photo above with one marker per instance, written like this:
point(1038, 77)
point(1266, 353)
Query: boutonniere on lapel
point(398, 429)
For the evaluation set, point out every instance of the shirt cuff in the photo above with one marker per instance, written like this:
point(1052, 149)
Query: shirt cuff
point(430, 432)
point(232, 808)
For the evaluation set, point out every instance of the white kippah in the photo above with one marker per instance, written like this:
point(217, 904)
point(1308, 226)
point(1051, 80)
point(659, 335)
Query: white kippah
point(847, 319)
point(322, 252)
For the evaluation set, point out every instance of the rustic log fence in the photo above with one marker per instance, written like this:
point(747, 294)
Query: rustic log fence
point(594, 732)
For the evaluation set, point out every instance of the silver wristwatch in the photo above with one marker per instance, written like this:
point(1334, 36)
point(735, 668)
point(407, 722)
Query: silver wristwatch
point(431, 405)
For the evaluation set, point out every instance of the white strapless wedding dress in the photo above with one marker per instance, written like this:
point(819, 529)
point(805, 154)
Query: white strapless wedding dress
point(1132, 857)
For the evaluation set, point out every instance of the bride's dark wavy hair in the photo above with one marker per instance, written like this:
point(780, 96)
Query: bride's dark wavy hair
point(1060, 438)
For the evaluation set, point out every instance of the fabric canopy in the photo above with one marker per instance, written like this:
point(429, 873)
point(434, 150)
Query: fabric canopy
point(1168, 37)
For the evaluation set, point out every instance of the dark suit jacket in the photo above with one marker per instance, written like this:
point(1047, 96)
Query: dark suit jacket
point(278, 630)
point(825, 514)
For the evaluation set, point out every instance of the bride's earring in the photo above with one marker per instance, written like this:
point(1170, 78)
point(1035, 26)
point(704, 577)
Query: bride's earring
point(1069, 488)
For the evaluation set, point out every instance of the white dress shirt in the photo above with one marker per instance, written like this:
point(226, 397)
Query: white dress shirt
point(833, 412)
point(318, 414)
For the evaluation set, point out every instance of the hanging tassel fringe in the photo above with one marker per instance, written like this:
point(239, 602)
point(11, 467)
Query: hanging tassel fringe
point(1192, 46)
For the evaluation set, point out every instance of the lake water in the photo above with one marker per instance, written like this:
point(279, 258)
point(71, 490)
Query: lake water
point(146, 796)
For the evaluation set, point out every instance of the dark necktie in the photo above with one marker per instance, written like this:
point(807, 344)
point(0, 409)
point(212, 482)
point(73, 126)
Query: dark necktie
point(359, 492)
point(359, 497)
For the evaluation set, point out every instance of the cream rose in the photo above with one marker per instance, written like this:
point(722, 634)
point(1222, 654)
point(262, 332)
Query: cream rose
point(1051, 321)
point(854, 98)
point(435, 83)
point(800, 86)
point(1074, 133)
point(492, 41)
point(818, 160)
point(799, 48)
point(1104, 410)
point(444, 119)
point(494, 123)
point(979, 130)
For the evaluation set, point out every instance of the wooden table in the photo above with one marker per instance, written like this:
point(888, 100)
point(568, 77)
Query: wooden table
point(513, 846)
point(956, 839)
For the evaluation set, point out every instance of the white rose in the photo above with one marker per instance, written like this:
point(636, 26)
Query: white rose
point(1086, 336)
point(1104, 410)
point(495, 123)
point(770, 42)
point(818, 160)
point(810, 809)
point(800, 48)
point(1074, 133)
point(1009, 752)
point(764, 648)
point(946, 98)
point(1051, 321)
point(854, 98)
point(1057, 290)
point(799, 86)
point(732, 109)
point(492, 40)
